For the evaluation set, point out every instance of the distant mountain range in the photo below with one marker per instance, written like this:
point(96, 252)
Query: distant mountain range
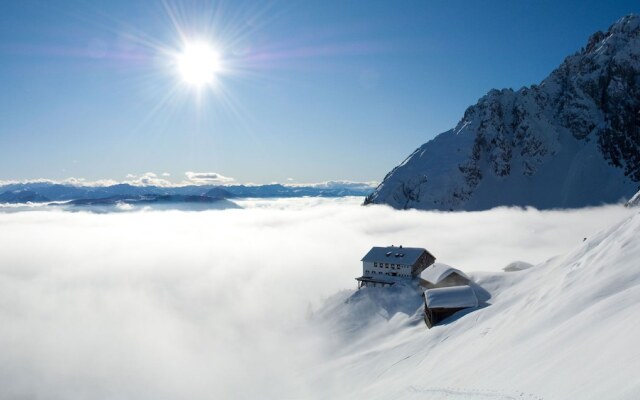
point(571, 141)
point(22, 196)
point(146, 199)
point(44, 192)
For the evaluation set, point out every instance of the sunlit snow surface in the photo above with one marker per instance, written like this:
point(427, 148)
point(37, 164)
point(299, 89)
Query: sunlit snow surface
point(258, 302)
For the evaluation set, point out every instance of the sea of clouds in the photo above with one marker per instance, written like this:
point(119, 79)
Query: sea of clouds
point(214, 304)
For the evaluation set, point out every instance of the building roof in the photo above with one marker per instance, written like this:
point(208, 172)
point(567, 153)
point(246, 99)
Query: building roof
point(451, 297)
point(394, 254)
point(436, 272)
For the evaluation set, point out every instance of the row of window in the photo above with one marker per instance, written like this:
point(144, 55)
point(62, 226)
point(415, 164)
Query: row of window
point(366, 272)
point(387, 265)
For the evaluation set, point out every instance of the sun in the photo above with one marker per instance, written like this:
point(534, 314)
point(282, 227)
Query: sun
point(198, 64)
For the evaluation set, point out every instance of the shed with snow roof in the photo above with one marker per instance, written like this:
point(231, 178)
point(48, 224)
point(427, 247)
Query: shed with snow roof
point(385, 266)
point(441, 303)
point(442, 275)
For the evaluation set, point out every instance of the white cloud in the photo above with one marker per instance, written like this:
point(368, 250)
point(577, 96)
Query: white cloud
point(207, 178)
point(212, 304)
point(84, 182)
point(193, 178)
point(147, 179)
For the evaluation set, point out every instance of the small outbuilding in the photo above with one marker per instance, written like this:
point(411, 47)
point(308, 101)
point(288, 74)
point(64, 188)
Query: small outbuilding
point(441, 303)
point(442, 275)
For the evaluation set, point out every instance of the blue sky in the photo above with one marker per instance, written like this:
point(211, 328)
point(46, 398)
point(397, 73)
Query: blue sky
point(310, 90)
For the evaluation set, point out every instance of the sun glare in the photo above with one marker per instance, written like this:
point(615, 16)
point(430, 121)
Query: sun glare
point(198, 64)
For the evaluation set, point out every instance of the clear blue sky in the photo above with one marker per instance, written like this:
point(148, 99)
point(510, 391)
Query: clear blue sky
point(311, 90)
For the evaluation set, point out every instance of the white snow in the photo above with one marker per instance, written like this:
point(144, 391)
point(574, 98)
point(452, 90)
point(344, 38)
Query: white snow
point(567, 329)
point(517, 266)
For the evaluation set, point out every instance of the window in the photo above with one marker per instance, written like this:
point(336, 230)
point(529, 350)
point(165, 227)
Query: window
point(375, 264)
point(386, 265)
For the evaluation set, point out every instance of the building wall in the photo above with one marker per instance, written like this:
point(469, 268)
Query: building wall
point(423, 262)
point(434, 315)
point(386, 268)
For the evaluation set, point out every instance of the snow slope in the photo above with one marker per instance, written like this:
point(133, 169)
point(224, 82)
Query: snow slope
point(564, 329)
point(571, 141)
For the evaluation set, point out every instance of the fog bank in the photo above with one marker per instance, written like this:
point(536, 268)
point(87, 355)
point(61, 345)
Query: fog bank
point(212, 304)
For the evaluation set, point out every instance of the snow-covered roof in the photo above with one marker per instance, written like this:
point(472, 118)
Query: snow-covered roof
point(436, 272)
point(451, 297)
point(395, 254)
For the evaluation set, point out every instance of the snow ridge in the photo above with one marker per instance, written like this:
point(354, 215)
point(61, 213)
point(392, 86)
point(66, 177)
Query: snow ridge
point(571, 141)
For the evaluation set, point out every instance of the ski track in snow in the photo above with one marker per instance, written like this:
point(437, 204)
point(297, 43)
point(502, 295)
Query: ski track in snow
point(468, 393)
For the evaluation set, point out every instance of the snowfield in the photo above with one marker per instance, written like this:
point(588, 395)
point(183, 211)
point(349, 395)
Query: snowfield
point(260, 302)
point(564, 329)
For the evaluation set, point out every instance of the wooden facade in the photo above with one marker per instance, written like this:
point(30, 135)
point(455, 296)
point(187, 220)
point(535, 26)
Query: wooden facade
point(442, 303)
point(432, 316)
point(423, 262)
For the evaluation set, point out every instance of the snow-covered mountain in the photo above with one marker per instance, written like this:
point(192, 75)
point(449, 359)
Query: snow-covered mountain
point(22, 196)
point(563, 329)
point(571, 141)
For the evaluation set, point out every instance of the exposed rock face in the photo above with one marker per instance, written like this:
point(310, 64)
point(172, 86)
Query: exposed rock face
point(571, 141)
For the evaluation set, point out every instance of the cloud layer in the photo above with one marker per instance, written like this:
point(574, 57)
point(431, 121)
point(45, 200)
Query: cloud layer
point(191, 178)
point(164, 305)
point(208, 178)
